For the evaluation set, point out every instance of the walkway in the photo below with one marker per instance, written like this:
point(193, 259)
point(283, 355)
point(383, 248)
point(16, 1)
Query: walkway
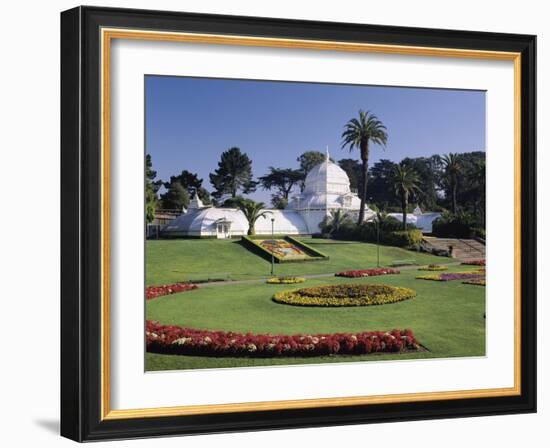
point(331, 274)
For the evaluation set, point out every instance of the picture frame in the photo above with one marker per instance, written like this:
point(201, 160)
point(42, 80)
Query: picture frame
point(86, 211)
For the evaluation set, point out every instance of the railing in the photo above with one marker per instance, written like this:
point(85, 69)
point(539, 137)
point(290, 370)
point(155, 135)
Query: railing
point(471, 248)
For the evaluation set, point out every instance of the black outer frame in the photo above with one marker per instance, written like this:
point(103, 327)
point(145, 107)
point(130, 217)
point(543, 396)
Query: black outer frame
point(81, 207)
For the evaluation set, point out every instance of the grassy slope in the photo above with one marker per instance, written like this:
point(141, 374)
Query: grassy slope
point(170, 261)
point(447, 317)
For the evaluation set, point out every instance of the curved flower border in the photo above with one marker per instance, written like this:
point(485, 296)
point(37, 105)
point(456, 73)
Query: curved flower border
point(152, 292)
point(172, 339)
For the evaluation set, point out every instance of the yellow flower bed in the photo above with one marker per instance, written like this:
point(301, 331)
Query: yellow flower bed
point(476, 281)
point(433, 267)
point(285, 280)
point(345, 295)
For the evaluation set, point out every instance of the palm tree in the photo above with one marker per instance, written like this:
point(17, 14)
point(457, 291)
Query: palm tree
point(358, 133)
point(252, 212)
point(405, 182)
point(336, 220)
point(478, 175)
point(452, 165)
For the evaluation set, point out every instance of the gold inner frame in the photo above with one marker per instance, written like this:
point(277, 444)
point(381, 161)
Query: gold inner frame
point(107, 35)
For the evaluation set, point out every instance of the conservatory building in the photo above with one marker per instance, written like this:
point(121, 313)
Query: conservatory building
point(326, 189)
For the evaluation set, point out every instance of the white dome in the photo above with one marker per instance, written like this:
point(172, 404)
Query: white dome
point(327, 177)
point(326, 188)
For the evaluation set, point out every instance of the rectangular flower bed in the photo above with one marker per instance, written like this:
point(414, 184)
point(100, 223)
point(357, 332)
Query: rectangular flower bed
point(176, 340)
point(282, 250)
point(367, 272)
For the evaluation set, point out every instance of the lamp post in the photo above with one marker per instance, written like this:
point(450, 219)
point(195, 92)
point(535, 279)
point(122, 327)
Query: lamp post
point(377, 241)
point(273, 238)
point(377, 221)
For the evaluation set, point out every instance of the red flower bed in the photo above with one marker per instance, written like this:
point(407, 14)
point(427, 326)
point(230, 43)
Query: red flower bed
point(176, 340)
point(474, 262)
point(152, 292)
point(367, 272)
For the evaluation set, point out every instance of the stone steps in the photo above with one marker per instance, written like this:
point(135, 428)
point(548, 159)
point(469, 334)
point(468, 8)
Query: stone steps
point(463, 249)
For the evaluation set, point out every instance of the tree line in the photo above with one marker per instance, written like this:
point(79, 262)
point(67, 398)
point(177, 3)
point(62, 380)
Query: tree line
point(443, 182)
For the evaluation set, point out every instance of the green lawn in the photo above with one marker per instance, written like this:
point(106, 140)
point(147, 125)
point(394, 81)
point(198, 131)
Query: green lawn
point(446, 317)
point(171, 261)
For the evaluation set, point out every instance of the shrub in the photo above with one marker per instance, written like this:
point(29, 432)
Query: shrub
point(459, 225)
point(344, 295)
point(403, 238)
point(187, 341)
point(391, 233)
point(367, 272)
point(285, 280)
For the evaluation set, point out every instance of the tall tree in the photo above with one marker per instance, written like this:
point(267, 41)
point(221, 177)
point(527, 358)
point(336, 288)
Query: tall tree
point(359, 133)
point(427, 169)
point(354, 171)
point(380, 184)
point(452, 166)
point(192, 183)
point(282, 180)
point(252, 212)
point(405, 183)
point(175, 198)
point(151, 188)
point(471, 185)
point(234, 174)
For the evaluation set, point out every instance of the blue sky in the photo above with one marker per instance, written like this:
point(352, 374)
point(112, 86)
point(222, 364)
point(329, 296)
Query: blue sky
point(190, 121)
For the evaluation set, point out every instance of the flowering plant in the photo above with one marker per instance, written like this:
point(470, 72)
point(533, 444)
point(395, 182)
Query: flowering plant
point(282, 248)
point(475, 281)
point(474, 262)
point(344, 295)
point(152, 292)
point(367, 272)
point(285, 280)
point(452, 276)
point(187, 341)
point(433, 267)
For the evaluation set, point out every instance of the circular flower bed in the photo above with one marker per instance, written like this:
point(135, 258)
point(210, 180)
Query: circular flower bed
point(433, 267)
point(171, 339)
point(344, 295)
point(285, 280)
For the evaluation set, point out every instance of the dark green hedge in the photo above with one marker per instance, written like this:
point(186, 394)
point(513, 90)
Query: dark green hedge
point(391, 233)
